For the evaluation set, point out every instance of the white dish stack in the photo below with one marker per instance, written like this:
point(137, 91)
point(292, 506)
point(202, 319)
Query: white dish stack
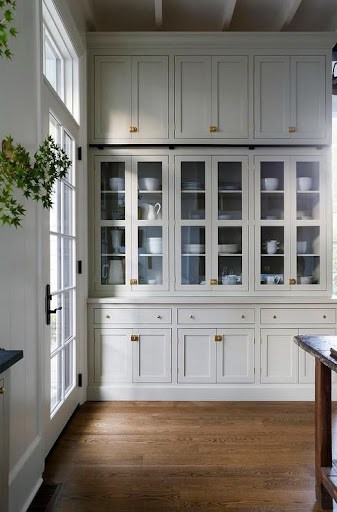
point(155, 245)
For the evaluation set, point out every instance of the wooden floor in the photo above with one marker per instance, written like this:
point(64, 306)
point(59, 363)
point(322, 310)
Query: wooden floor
point(186, 456)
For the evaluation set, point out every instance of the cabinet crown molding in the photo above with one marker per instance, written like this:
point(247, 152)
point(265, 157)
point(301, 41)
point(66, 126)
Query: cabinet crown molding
point(233, 40)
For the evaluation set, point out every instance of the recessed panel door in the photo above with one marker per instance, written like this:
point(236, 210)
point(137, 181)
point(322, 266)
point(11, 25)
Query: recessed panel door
point(235, 355)
point(196, 356)
point(279, 356)
point(112, 355)
point(151, 355)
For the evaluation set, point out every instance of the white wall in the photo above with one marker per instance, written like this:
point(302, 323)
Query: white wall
point(19, 311)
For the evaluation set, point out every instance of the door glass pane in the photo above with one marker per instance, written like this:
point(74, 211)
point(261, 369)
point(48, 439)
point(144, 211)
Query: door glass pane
point(55, 323)
point(150, 190)
point(229, 255)
point(69, 366)
point(68, 148)
point(193, 190)
point(193, 255)
point(229, 190)
point(68, 228)
point(55, 263)
point(68, 307)
point(272, 255)
point(68, 262)
point(113, 191)
point(55, 381)
point(272, 190)
point(308, 255)
point(150, 255)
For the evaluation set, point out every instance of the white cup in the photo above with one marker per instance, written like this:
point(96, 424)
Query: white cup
point(302, 247)
point(271, 246)
point(304, 183)
point(270, 183)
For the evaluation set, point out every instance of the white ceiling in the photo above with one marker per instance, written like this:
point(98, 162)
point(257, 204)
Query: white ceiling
point(209, 15)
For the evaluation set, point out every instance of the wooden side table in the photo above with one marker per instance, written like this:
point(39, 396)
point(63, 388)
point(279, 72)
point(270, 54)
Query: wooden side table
point(326, 470)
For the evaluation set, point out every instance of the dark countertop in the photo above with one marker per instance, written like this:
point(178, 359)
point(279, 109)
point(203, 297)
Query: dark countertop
point(319, 347)
point(8, 358)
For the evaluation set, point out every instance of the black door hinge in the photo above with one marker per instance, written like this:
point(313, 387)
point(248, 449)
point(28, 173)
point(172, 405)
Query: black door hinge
point(79, 266)
point(79, 153)
point(79, 380)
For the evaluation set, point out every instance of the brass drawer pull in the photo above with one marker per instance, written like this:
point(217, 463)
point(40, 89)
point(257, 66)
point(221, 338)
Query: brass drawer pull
point(133, 281)
point(134, 337)
point(107, 316)
point(133, 129)
point(213, 282)
point(292, 281)
point(213, 129)
point(274, 316)
point(159, 316)
point(243, 316)
point(218, 337)
point(2, 390)
point(292, 129)
point(191, 317)
point(324, 316)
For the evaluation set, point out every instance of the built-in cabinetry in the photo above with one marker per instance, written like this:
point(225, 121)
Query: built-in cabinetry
point(193, 351)
point(230, 221)
point(206, 261)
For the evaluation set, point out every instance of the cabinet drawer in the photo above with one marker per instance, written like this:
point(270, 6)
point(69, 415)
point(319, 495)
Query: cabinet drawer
point(215, 316)
point(298, 316)
point(132, 316)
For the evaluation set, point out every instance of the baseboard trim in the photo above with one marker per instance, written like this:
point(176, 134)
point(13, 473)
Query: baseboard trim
point(296, 392)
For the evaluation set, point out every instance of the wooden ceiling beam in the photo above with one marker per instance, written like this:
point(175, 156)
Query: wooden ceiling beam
point(290, 9)
point(158, 13)
point(228, 14)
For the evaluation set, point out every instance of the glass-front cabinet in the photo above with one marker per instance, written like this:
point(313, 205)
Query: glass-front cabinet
point(290, 208)
point(211, 223)
point(131, 223)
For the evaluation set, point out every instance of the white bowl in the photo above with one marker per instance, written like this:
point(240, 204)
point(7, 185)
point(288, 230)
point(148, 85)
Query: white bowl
point(228, 248)
point(270, 183)
point(304, 183)
point(149, 183)
point(194, 248)
point(117, 183)
point(155, 245)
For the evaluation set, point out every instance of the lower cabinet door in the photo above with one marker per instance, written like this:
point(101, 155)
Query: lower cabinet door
point(279, 356)
point(196, 356)
point(235, 355)
point(151, 355)
point(307, 361)
point(112, 355)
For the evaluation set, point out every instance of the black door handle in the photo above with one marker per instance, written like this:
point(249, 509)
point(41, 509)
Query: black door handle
point(48, 300)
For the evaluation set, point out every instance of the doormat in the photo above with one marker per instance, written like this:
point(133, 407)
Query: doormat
point(45, 498)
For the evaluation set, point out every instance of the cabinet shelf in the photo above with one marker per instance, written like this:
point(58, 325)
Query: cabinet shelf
point(150, 191)
point(112, 191)
point(229, 254)
point(150, 255)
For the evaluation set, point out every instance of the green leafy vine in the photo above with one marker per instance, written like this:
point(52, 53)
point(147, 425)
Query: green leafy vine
point(35, 178)
point(7, 30)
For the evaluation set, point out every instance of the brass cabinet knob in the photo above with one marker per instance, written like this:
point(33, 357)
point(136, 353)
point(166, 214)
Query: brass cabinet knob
point(213, 129)
point(107, 316)
point(133, 281)
point(2, 390)
point(243, 316)
point(133, 129)
point(159, 316)
point(191, 317)
point(213, 282)
point(134, 337)
point(324, 316)
point(292, 281)
point(218, 337)
point(274, 316)
point(292, 129)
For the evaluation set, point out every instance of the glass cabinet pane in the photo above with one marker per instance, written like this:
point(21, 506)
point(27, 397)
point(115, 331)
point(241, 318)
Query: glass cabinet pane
point(112, 190)
point(150, 200)
point(230, 255)
point(307, 190)
point(150, 255)
point(308, 257)
point(112, 255)
point(229, 190)
point(192, 190)
point(193, 255)
point(272, 190)
point(272, 255)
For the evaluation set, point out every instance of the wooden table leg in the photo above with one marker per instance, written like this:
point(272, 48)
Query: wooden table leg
point(323, 443)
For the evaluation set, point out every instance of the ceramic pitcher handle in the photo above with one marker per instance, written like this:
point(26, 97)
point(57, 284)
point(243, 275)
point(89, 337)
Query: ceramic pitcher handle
point(105, 270)
point(159, 207)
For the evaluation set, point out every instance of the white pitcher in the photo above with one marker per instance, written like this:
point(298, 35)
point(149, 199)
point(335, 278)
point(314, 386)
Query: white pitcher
point(113, 271)
point(153, 211)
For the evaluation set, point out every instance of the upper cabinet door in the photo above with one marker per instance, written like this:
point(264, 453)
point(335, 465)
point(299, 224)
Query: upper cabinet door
point(150, 97)
point(230, 97)
point(272, 97)
point(193, 105)
point(131, 97)
point(308, 98)
point(112, 97)
point(290, 98)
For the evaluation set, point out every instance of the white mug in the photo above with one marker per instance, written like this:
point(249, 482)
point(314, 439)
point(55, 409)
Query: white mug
point(272, 246)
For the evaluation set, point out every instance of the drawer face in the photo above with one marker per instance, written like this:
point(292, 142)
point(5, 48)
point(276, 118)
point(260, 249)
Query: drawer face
point(132, 316)
point(216, 316)
point(298, 316)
